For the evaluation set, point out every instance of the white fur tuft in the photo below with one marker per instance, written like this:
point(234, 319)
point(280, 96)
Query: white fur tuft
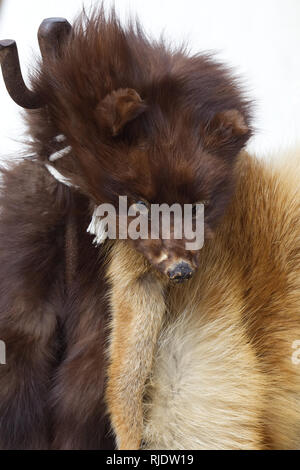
point(97, 228)
point(60, 138)
point(60, 153)
point(58, 176)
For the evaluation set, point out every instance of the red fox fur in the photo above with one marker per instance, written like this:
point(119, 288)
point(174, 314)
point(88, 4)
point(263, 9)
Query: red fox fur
point(206, 364)
point(222, 375)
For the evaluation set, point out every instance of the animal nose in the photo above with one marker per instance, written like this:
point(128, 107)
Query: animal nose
point(181, 272)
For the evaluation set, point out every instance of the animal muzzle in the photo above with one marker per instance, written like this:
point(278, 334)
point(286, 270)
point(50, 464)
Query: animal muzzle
point(180, 272)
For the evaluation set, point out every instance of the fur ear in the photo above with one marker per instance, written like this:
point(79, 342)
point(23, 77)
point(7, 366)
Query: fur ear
point(118, 108)
point(225, 129)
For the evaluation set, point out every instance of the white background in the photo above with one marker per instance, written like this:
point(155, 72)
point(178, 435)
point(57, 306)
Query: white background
point(259, 38)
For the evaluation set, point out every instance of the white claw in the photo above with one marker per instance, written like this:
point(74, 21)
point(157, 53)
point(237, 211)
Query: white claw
point(60, 153)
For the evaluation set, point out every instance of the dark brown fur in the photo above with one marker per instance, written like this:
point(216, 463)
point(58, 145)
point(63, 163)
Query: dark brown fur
point(181, 125)
point(173, 136)
point(52, 384)
point(142, 121)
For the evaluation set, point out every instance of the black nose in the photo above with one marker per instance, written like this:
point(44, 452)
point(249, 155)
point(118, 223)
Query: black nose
point(181, 272)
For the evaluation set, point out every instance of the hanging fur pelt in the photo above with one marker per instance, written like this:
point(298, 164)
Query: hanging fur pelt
point(226, 374)
point(104, 346)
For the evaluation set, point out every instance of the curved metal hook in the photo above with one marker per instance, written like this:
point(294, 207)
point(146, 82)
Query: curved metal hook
point(12, 75)
point(51, 34)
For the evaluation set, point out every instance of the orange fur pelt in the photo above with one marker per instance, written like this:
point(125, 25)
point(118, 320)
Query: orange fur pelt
point(208, 364)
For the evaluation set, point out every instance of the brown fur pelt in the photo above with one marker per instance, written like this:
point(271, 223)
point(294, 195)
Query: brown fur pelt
point(202, 365)
point(51, 387)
